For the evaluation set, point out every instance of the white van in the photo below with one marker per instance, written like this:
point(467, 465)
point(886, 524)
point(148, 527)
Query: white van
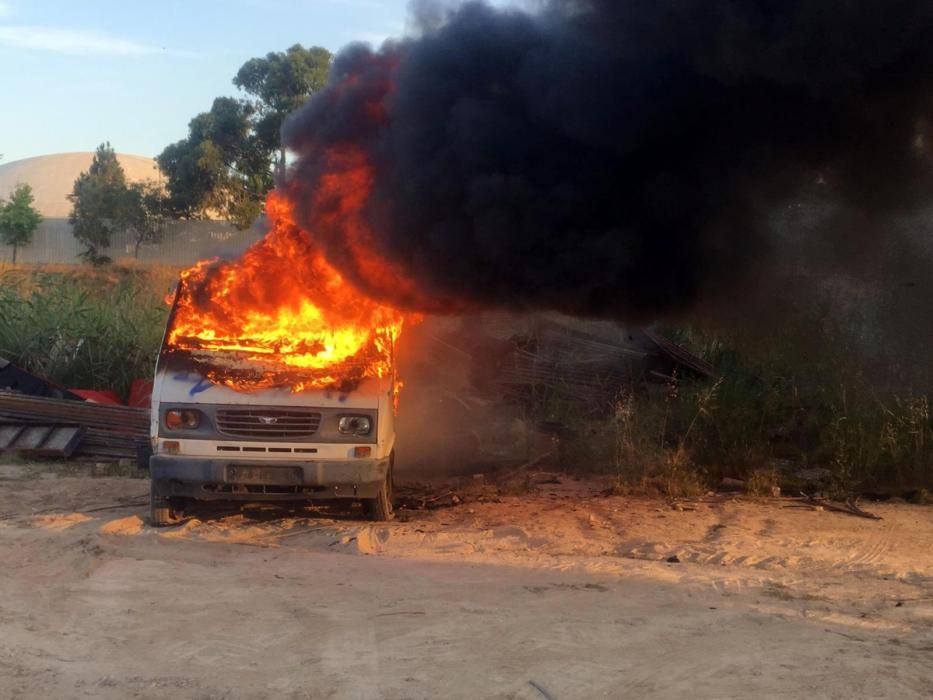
point(211, 442)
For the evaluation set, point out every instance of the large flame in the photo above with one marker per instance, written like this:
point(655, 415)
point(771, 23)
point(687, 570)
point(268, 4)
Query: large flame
point(281, 315)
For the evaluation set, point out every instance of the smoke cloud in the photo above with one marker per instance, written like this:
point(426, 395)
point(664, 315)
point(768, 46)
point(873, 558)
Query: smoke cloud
point(611, 158)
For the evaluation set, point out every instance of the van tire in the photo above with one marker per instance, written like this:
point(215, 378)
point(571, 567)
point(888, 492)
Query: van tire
point(381, 508)
point(161, 511)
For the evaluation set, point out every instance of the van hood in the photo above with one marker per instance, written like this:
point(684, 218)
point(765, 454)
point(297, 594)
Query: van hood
point(187, 386)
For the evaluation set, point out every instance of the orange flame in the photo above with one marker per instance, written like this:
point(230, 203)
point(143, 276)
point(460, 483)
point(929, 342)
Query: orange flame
point(281, 315)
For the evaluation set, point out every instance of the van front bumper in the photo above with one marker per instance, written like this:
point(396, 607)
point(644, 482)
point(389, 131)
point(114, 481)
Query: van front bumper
point(215, 479)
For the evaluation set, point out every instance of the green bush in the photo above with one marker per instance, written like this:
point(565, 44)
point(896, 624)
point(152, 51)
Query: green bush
point(92, 333)
point(800, 399)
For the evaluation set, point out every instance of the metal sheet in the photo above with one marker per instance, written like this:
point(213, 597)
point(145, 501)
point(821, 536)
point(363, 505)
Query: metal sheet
point(40, 440)
point(61, 442)
point(32, 437)
point(8, 435)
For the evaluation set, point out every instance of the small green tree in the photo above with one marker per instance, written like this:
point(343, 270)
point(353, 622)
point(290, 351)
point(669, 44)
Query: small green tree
point(143, 213)
point(99, 200)
point(18, 218)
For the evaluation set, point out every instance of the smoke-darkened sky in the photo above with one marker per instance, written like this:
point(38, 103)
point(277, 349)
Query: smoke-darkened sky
point(604, 158)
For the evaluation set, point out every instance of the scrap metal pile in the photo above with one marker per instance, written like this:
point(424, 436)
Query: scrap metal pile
point(38, 419)
point(42, 426)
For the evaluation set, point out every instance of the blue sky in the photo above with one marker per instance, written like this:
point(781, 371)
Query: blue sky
point(76, 73)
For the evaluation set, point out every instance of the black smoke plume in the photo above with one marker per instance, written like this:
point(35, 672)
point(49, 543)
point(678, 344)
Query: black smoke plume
point(617, 158)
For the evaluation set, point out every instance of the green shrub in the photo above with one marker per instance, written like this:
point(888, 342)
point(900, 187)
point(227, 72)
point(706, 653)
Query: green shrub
point(91, 333)
point(803, 399)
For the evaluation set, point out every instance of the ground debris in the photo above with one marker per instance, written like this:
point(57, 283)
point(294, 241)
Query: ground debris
point(729, 484)
point(453, 492)
point(849, 506)
point(541, 690)
point(417, 496)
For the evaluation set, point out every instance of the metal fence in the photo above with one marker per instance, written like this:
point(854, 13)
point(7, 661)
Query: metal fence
point(185, 242)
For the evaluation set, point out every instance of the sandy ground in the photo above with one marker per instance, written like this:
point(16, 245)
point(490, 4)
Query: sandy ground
point(554, 594)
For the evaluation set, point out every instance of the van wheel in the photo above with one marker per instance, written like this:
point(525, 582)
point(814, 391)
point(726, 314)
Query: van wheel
point(381, 508)
point(161, 510)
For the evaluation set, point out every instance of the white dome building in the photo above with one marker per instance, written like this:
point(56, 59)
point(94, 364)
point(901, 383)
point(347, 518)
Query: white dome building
point(52, 179)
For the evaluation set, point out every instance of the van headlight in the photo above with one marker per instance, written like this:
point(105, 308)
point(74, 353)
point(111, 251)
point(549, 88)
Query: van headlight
point(182, 419)
point(354, 425)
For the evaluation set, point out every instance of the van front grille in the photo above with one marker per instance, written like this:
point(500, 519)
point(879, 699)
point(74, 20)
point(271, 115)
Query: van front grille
point(268, 423)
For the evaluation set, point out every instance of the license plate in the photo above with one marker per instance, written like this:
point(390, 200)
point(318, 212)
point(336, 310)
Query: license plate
point(277, 476)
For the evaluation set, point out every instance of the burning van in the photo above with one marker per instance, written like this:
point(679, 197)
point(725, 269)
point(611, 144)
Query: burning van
point(275, 382)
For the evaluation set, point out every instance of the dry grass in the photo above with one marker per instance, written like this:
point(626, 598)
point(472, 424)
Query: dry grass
point(156, 276)
point(798, 410)
point(763, 483)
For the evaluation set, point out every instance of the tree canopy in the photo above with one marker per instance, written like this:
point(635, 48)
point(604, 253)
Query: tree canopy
point(103, 203)
point(224, 167)
point(144, 213)
point(221, 169)
point(97, 197)
point(18, 218)
point(281, 82)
